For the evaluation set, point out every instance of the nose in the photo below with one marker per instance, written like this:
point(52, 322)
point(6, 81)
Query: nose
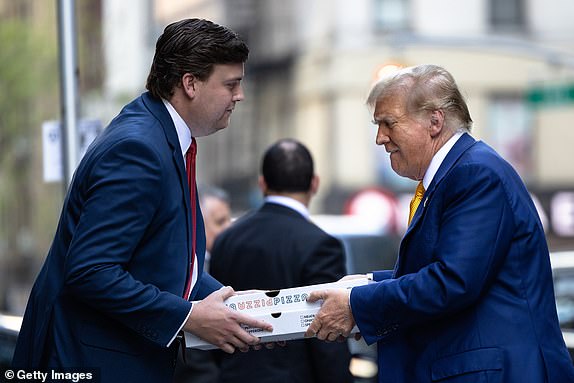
point(382, 138)
point(238, 95)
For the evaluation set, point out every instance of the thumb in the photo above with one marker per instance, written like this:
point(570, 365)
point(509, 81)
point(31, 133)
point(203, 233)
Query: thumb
point(253, 322)
point(315, 296)
point(226, 292)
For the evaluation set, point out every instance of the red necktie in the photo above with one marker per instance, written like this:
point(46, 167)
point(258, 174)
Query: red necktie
point(190, 169)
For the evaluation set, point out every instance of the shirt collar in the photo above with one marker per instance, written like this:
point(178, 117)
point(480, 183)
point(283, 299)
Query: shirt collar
point(290, 203)
point(183, 132)
point(438, 158)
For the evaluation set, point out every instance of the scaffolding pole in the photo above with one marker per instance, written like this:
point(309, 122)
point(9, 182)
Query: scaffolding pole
point(69, 72)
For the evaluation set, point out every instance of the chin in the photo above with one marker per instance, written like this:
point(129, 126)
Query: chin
point(397, 170)
point(216, 128)
point(402, 173)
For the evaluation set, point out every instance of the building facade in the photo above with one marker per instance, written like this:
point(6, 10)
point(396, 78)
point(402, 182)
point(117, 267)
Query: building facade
point(312, 64)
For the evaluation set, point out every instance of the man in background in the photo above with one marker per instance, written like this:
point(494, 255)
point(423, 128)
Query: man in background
point(277, 247)
point(216, 207)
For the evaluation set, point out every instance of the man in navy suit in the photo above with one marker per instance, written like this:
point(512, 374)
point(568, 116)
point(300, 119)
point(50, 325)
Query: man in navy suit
point(277, 247)
point(471, 296)
point(111, 294)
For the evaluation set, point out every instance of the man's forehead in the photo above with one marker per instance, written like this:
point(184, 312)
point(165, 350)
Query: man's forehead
point(389, 106)
point(228, 72)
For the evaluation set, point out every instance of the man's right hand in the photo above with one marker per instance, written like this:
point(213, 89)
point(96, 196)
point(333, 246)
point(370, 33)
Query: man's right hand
point(217, 324)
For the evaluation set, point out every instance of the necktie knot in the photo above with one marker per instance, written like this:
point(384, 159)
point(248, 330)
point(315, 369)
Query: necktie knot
point(191, 152)
point(190, 156)
point(415, 202)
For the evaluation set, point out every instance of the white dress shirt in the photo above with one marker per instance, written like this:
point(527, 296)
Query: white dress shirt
point(290, 203)
point(438, 158)
point(185, 138)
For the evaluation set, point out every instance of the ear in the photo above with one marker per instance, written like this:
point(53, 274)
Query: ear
point(262, 185)
point(189, 83)
point(314, 184)
point(436, 122)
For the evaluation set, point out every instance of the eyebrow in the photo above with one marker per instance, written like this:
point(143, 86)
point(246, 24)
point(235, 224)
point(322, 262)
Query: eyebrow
point(387, 120)
point(234, 79)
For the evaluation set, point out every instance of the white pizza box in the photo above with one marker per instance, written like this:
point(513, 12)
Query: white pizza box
point(287, 310)
point(293, 298)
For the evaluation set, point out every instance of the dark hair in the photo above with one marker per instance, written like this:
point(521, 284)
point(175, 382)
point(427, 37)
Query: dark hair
point(287, 166)
point(192, 46)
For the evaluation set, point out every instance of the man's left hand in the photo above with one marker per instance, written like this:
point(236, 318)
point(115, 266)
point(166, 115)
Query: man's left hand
point(334, 321)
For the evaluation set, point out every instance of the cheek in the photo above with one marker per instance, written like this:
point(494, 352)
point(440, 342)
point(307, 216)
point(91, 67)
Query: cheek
point(399, 163)
point(223, 98)
point(397, 159)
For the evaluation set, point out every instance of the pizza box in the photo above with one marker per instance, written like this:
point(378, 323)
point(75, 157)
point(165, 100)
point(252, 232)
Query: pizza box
point(287, 310)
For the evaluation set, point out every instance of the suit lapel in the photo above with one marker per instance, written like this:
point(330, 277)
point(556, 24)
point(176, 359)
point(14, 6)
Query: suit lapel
point(461, 146)
point(158, 109)
point(463, 143)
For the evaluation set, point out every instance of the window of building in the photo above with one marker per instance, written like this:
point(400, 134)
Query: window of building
point(509, 131)
point(392, 14)
point(507, 15)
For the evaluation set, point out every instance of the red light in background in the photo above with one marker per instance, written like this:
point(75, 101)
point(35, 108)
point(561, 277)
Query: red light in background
point(376, 205)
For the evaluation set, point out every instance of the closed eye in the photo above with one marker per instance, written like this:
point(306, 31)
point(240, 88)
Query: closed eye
point(232, 85)
point(387, 122)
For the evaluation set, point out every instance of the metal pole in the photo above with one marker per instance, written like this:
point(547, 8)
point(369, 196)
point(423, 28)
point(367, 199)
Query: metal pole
point(69, 72)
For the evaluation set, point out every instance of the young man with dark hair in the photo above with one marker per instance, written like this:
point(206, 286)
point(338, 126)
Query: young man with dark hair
point(115, 291)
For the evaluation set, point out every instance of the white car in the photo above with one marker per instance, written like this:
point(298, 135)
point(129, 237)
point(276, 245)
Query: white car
point(9, 328)
point(563, 274)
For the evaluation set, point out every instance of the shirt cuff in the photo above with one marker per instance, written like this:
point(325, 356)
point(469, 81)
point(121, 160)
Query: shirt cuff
point(180, 327)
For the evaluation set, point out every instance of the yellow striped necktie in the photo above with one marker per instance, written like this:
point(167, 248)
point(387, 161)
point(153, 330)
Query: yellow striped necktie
point(417, 198)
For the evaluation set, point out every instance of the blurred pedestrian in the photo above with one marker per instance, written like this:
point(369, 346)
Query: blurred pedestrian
point(114, 292)
point(199, 366)
point(277, 247)
point(471, 297)
point(216, 207)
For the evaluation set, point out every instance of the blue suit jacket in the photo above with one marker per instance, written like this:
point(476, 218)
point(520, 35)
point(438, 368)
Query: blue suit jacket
point(109, 295)
point(471, 297)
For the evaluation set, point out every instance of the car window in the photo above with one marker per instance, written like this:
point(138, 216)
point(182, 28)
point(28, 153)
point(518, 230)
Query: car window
point(367, 253)
point(564, 290)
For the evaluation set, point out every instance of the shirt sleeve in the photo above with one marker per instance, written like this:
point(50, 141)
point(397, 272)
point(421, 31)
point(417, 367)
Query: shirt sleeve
point(180, 327)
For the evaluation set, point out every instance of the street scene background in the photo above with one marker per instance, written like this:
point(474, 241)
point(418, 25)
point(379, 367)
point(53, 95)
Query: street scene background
point(311, 65)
